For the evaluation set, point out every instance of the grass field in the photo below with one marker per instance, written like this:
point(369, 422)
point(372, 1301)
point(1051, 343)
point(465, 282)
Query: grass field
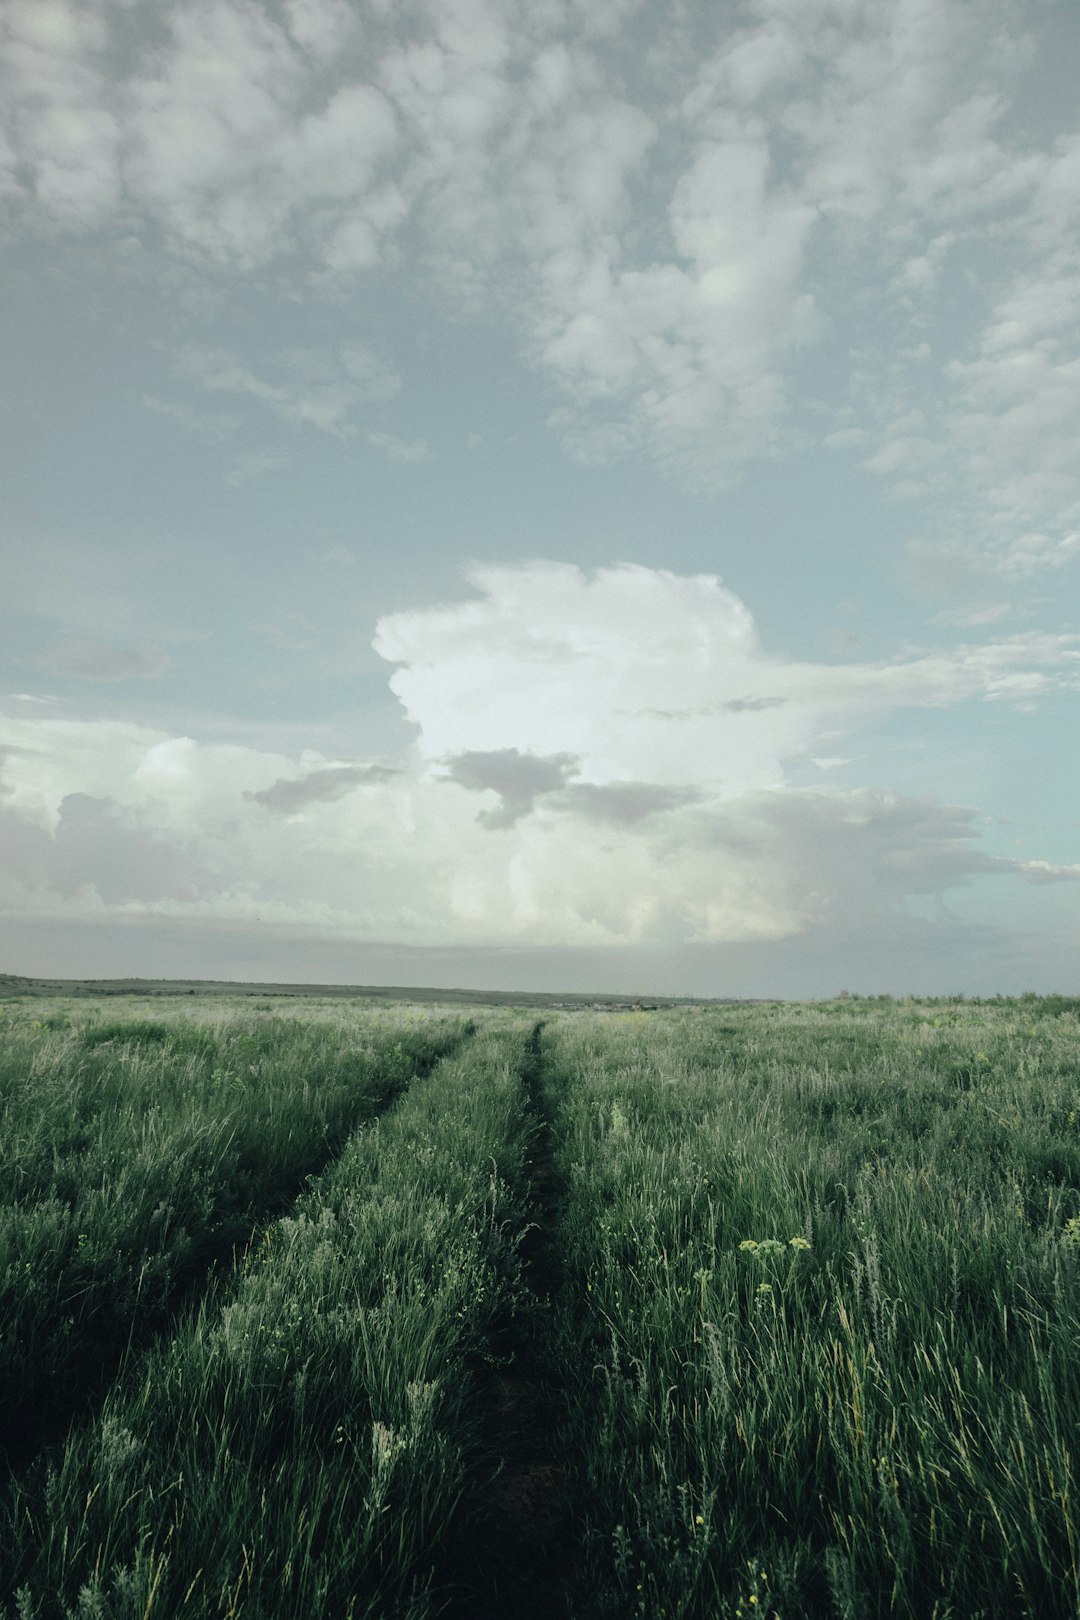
point(365, 1310)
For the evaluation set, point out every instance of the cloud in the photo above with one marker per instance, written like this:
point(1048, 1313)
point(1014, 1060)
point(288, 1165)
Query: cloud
point(692, 348)
point(636, 671)
point(753, 705)
point(840, 859)
point(340, 556)
point(255, 465)
point(1006, 425)
point(373, 380)
point(408, 450)
point(89, 660)
point(97, 860)
point(288, 796)
point(1043, 871)
point(518, 780)
point(90, 594)
point(973, 618)
point(989, 437)
point(669, 224)
point(624, 804)
point(319, 26)
point(300, 638)
point(230, 143)
point(311, 388)
point(95, 849)
point(213, 426)
point(61, 126)
point(601, 824)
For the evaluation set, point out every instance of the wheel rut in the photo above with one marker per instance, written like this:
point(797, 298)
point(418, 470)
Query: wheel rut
point(34, 1431)
point(524, 1541)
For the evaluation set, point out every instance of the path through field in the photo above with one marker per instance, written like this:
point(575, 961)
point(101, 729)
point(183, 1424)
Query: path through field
point(522, 1555)
point(141, 1203)
point(676, 1315)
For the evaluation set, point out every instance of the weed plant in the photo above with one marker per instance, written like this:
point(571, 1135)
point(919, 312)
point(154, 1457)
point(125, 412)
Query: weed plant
point(134, 1151)
point(306, 1444)
point(821, 1322)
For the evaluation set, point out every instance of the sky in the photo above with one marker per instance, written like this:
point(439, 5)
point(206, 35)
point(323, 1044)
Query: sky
point(564, 495)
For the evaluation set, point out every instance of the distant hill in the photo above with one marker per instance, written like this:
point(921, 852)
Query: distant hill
point(14, 984)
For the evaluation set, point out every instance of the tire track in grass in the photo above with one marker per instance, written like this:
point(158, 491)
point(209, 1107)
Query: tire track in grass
point(518, 1564)
point(38, 1422)
point(228, 1248)
point(306, 1449)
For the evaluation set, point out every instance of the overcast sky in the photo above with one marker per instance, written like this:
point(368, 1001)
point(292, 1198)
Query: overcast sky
point(557, 493)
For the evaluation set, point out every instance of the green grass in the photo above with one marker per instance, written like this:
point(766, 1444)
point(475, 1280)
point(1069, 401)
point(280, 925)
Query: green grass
point(878, 1418)
point(134, 1152)
point(306, 1445)
point(875, 1421)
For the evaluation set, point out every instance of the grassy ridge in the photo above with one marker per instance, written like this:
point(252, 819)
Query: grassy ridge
point(307, 1445)
point(133, 1151)
point(820, 1335)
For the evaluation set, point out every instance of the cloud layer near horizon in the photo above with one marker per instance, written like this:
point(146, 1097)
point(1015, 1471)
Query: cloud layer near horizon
point(599, 760)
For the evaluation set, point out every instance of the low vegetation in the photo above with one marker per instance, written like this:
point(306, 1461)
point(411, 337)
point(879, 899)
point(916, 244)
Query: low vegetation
point(135, 1152)
point(795, 1288)
point(822, 1309)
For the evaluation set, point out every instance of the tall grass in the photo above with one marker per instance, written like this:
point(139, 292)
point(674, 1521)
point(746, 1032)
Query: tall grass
point(809, 1278)
point(133, 1151)
point(823, 1310)
point(306, 1445)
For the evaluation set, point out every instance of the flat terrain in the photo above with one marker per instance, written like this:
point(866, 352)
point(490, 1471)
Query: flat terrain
point(347, 1304)
point(14, 985)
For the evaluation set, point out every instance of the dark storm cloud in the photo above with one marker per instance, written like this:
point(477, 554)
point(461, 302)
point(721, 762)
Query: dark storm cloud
point(749, 705)
point(94, 848)
point(839, 859)
point(288, 795)
point(624, 803)
point(519, 779)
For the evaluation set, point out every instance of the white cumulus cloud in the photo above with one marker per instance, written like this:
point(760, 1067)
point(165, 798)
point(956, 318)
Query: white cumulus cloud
point(638, 671)
point(602, 760)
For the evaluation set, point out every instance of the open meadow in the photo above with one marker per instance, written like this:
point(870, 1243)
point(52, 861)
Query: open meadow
point(389, 1310)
